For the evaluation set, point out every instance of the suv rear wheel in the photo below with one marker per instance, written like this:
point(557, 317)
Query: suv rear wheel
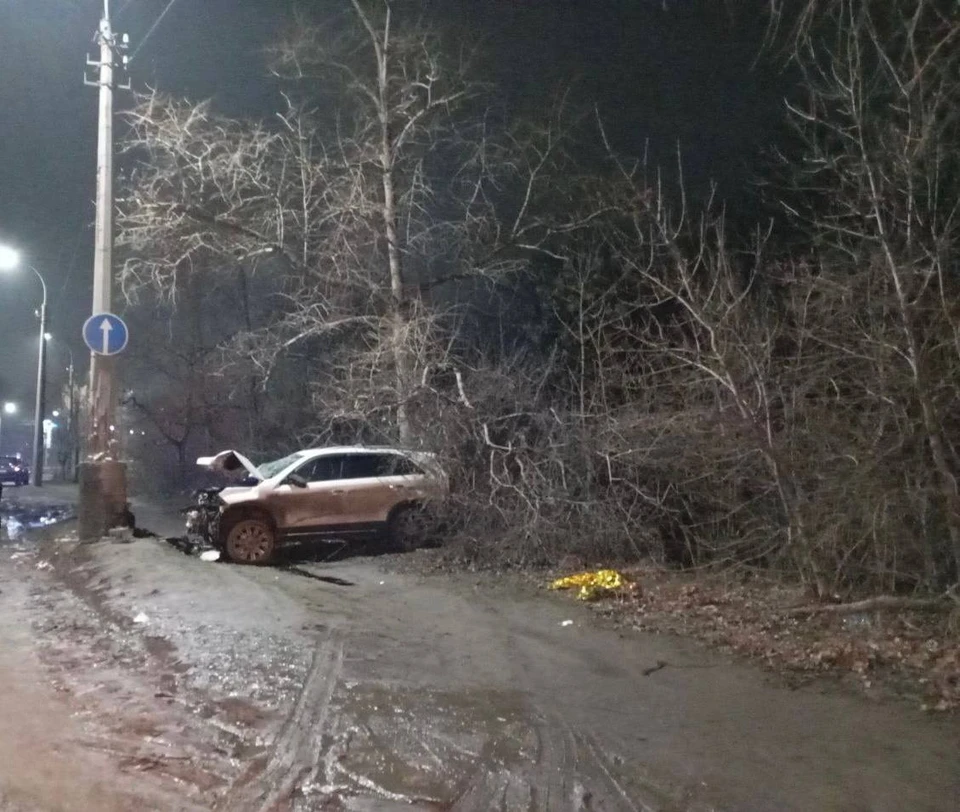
point(250, 540)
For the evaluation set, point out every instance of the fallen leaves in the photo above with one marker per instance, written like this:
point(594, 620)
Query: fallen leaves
point(915, 653)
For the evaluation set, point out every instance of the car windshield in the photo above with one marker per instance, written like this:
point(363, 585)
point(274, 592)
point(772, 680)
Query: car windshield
point(270, 469)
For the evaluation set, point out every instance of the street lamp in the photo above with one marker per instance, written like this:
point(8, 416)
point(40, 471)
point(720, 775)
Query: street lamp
point(8, 409)
point(10, 260)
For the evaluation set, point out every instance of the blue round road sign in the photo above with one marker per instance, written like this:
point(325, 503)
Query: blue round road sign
point(105, 334)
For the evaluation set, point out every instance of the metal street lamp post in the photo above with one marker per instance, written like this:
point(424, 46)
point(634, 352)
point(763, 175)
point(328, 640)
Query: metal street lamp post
point(10, 259)
point(39, 412)
point(72, 418)
point(72, 413)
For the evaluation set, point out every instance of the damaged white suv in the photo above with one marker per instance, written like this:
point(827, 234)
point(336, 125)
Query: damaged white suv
point(339, 492)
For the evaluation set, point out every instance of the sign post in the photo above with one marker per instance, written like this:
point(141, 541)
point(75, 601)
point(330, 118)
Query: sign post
point(103, 478)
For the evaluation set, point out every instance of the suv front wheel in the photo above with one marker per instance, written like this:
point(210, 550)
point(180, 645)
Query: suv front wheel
point(407, 527)
point(249, 539)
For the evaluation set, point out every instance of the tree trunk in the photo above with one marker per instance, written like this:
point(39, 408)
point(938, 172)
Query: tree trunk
point(893, 602)
point(398, 325)
point(254, 422)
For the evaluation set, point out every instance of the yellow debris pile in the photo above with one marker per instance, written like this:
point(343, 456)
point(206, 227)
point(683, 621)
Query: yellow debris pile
point(592, 585)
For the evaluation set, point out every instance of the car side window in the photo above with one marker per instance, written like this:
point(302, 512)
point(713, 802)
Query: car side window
point(360, 466)
point(322, 469)
point(395, 465)
point(368, 466)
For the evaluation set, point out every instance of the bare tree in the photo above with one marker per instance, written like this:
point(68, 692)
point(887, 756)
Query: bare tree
point(396, 95)
point(877, 192)
point(381, 188)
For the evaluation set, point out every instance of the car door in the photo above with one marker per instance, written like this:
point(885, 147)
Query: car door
point(373, 483)
point(316, 508)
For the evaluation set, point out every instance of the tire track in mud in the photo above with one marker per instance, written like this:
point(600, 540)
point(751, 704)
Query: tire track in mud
point(629, 788)
point(294, 749)
point(596, 762)
point(570, 772)
point(550, 785)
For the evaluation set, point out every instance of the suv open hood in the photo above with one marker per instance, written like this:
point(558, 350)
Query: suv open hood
point(230, 461)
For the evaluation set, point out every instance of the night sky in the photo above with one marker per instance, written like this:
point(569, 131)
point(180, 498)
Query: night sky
point(664, 70)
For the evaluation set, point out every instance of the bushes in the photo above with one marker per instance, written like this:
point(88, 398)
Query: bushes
point(789, 439)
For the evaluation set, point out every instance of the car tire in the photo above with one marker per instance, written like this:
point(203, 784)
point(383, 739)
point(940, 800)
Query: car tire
point(250, 540)
point(407, 528)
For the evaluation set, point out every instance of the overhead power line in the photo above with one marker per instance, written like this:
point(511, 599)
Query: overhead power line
point(152, 28)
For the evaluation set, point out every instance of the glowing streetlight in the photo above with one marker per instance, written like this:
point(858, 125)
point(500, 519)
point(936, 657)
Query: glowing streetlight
point(8, 409)
point(9, 258)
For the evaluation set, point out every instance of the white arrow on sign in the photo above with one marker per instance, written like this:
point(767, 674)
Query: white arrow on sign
point(112, 336)
point(105, 328)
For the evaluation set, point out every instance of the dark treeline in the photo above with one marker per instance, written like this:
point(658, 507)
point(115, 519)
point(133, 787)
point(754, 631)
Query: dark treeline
point(615, 358)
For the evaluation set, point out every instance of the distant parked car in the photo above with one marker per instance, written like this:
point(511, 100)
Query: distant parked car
point(13, 471)
point(323, 492)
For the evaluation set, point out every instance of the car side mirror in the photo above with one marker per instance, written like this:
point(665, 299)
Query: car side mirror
point(296, 480)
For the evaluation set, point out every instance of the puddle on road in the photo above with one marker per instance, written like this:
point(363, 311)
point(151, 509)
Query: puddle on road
point(17, 520)
point(426, 746)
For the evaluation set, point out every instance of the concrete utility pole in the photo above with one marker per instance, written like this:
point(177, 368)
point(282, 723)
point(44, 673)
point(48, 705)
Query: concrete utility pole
point(103, 487)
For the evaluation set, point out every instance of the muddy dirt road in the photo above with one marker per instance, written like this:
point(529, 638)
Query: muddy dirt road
point(136, 677)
